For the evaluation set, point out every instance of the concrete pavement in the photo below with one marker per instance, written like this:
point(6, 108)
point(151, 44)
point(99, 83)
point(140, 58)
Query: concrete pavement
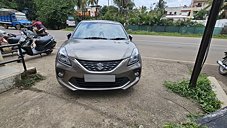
point(47, 104)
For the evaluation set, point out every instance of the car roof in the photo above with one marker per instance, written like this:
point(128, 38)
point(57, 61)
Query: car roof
point(100, 21)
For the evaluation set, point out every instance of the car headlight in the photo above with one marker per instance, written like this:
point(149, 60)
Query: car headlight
point(63, 56)
point(134, 57)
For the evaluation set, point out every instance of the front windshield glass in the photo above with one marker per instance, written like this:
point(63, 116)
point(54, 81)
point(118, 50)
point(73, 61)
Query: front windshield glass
point(99, 31)
point(21, 17)
point(70, 18)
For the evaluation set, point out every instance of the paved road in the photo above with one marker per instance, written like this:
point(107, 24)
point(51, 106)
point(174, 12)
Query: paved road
point(161, 47)
point(178, 49)
point(47, 104)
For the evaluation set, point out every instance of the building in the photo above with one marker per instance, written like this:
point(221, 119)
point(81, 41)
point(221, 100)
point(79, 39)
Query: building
point(174, 13)
point(94, 10)
point(91, 11)
point(185, 12)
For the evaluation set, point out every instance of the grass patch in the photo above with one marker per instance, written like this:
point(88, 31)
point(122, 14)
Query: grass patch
point(163, 34)
point(202, 93)
point(173, 34)
point(27, 81)
point(187, 124)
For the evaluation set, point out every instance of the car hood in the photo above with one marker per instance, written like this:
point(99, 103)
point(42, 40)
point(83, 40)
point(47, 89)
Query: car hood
point(99, 49)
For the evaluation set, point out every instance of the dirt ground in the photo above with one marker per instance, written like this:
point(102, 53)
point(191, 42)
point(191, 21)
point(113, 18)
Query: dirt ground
point(47, 104)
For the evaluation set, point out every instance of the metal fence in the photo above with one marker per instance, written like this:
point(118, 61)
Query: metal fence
point(177, 29)
point(20, 58)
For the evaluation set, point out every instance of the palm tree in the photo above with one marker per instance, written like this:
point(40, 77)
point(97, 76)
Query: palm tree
point(160, 6)
point(124, 5)
point(223, 10)
point(92, 2)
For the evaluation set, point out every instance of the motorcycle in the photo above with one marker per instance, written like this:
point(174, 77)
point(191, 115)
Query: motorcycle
point(44, 44)
point(41, 32)
point(4, 41)
point(223, 65)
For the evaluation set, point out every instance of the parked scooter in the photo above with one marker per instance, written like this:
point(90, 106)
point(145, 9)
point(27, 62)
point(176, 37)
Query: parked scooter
point(44, 44)
point(223, 65)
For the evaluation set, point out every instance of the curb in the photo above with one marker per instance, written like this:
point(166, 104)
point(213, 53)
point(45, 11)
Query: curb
point(8, 77)
point(218, 91)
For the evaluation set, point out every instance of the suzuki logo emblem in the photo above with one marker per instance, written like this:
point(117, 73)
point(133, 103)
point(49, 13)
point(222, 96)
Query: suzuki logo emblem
point(100, 66)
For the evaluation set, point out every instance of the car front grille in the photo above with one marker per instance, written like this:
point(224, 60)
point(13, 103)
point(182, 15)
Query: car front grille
point(79, 82)
point(99, 65)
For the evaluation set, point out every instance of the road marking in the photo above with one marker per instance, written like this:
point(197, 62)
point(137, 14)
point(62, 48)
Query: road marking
point(183, 61)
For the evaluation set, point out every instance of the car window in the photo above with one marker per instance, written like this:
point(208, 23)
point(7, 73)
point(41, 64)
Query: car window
point(100, 30)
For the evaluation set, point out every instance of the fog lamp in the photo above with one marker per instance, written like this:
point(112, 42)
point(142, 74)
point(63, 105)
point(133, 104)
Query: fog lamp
point(137, 74)
point(60, 74)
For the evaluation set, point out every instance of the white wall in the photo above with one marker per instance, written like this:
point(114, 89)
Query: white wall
point(219, 23)
point(174, 9)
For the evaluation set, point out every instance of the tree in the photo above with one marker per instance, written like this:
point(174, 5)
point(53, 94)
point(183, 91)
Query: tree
point(92, 2)
point(110, 9)
point(124, 5)
point(54, 14)
point(223, 10)
point(8, 4)
point(201, 15)
point(143, 9)
point(160, 7)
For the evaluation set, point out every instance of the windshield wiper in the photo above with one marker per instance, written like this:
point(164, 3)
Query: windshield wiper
point(118, 38)
point(95, 38)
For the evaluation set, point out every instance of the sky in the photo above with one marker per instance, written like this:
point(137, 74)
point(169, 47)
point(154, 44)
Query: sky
point(148, 3)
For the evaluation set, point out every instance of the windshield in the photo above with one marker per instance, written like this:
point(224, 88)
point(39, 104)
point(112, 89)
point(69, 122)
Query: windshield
point(70, 18)
point(21, 17)
point(99, 31)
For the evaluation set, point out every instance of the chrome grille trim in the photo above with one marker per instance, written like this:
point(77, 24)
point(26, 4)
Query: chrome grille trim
point(99, 66)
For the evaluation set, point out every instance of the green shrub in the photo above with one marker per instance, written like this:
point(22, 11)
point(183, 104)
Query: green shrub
point(202, 93)
point(28, 80)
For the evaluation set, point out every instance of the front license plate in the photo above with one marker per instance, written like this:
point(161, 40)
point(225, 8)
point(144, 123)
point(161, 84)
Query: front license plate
point(99, 78)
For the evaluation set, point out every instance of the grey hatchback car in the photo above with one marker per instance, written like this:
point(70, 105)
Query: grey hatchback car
point(98, 55)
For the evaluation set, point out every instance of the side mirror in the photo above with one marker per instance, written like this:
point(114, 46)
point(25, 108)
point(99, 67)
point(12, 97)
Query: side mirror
point(69, 35)
point(130, 37)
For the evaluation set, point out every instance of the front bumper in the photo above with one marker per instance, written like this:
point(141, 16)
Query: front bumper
point(72, 77)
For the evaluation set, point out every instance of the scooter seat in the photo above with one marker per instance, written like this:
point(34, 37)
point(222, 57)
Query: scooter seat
point(43, 40)
point(13, 40)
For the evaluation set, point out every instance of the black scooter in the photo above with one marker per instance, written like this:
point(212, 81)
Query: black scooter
point(44, 44)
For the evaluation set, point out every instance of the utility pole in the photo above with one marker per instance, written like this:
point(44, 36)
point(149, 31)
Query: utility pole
point(205, 43)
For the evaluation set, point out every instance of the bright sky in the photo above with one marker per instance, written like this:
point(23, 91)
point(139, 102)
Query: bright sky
point(148, 3)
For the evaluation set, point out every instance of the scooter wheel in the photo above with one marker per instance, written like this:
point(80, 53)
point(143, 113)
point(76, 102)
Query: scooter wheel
point(18, 61)
point(222, 70)
point(49, 52)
